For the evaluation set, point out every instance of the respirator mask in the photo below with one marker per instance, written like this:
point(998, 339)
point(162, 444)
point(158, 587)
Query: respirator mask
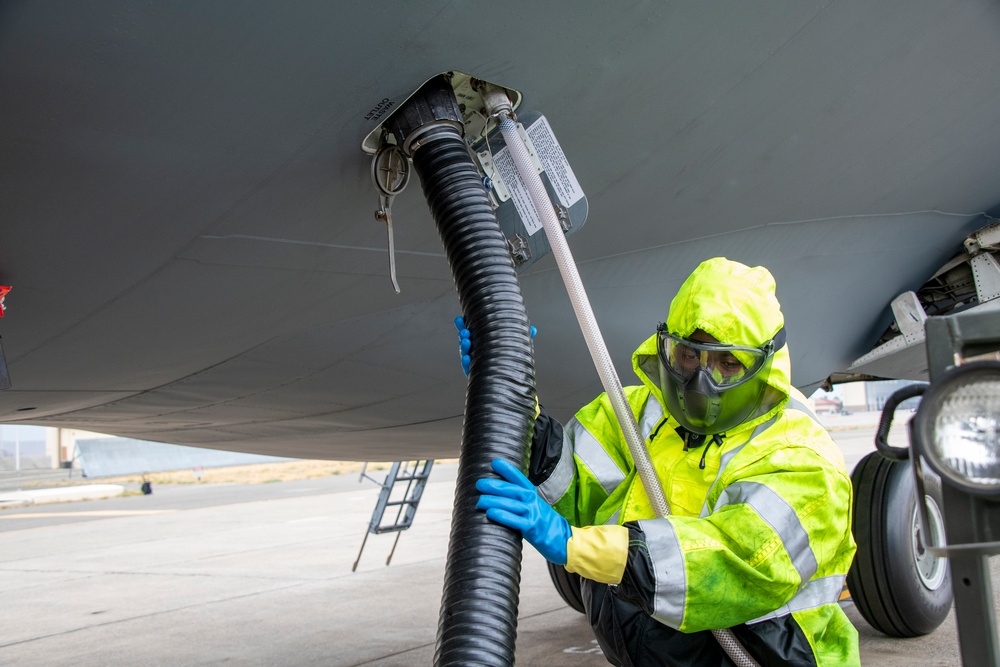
point(713, 387)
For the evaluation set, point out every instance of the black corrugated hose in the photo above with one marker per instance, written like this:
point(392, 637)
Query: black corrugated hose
point(478, 622)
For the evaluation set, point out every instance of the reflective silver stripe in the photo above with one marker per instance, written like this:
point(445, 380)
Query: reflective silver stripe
point(728, 456)
point(667, 561)
point(613, 520)
point(652, 413)
point(776, 511)
point(556, 486)
point(814, 594)
point(592, 454)
point(802, 407)
point(761, 428)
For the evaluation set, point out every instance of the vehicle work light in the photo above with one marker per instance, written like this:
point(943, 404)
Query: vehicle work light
point(956, 433)
point(957, 427)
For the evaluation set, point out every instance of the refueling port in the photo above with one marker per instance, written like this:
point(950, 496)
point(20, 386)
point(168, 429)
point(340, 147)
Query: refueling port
point(468, 92)
point(479, 106)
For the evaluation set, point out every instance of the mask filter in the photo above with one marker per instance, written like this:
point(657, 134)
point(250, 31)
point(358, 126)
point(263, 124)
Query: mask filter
point(700, 402)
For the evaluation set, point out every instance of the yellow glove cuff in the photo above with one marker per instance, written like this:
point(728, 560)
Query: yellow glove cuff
point(598, 553)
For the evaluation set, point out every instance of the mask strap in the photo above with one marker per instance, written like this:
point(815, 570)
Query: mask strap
point(779, 339)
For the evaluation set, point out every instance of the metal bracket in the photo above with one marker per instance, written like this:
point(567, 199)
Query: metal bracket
point(910, 317)
point(985, 269)
point(562, 213)
point(519, 250)
point(495, 182)
point(983, 240)
point(986, 273)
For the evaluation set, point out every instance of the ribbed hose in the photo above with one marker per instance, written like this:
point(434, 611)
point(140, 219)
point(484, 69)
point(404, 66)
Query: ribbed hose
point(478, 623)
point(598, 350)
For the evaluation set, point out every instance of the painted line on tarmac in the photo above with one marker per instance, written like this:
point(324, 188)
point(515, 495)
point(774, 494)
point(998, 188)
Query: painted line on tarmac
point(38, 515)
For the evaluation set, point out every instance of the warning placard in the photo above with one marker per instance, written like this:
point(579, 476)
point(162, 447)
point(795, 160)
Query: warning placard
point(554, 164)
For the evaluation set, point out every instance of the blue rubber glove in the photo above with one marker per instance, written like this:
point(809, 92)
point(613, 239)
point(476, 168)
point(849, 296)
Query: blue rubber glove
point(515, 503)
point(465, 342)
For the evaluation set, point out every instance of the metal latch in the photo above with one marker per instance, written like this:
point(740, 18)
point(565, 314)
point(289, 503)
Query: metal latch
point(390, 173)
point(519, 250)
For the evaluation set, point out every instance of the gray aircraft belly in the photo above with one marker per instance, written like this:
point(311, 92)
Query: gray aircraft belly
point(188, 217)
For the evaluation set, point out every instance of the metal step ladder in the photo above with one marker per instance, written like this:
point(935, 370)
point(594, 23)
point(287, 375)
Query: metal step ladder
point(414, 475)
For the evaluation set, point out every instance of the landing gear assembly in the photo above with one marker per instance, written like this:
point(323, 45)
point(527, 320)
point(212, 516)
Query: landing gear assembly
point(938, 499)
point(899, 587)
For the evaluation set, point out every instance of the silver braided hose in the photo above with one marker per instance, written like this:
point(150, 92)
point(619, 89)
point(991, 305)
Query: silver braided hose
point(595, 343)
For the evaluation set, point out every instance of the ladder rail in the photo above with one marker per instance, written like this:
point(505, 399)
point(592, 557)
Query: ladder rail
point(406, 506)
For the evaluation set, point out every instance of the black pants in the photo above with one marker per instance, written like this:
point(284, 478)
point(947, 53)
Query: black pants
point(632, 638)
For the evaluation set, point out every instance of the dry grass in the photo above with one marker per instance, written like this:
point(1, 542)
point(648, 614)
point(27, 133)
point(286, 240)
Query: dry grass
point(260, 473)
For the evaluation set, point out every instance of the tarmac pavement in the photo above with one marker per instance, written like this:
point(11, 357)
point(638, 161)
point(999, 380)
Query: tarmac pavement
point(261, 575)
point(68, 494)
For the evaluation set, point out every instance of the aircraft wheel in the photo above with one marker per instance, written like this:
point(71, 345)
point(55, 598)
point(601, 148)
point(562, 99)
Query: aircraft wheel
point(568, 585)
point(899, 588)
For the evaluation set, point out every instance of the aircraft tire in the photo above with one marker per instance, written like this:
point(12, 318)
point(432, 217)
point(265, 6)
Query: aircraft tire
point(898, 588)
point(568, 586)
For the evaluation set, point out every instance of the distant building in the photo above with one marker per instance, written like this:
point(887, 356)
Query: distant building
point(99, 455)
point(869, 396)
point(24, 448)
point(879, 392)
point(830, 405)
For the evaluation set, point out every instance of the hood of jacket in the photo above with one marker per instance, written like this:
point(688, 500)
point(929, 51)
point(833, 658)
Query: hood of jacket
point(737, 305)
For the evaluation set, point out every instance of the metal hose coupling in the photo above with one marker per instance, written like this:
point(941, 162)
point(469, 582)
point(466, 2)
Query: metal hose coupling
point(496, 101)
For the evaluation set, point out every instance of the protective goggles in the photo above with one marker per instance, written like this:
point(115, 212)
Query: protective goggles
point(725, 366)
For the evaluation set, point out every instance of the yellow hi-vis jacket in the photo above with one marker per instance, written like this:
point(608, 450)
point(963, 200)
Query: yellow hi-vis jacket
point(759, 531)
